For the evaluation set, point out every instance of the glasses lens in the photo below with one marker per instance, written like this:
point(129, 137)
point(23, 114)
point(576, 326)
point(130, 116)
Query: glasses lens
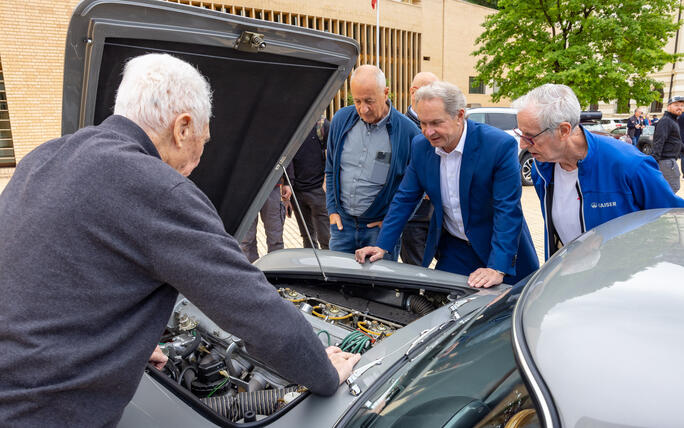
point(528, 140)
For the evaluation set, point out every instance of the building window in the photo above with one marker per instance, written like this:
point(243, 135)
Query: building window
point(6, 145)
point(657, 106)
point(474, 88)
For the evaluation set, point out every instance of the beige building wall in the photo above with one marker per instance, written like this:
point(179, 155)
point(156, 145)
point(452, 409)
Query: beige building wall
point(432, 35)
point(32, 37)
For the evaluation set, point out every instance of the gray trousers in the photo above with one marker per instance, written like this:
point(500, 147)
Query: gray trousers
point(273, 216)
point(312, 204)
point(670, 171)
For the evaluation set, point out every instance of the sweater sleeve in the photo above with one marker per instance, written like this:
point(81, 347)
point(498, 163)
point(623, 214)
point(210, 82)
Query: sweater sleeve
point(191, 251)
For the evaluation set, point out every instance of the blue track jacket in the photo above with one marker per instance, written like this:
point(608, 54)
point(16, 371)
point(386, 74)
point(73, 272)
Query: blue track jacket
point(614, 179)
point(400, 129)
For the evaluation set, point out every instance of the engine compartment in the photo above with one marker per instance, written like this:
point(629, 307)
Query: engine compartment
point(211, 366)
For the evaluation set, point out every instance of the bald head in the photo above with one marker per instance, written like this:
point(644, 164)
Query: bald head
point(369, 73)
point(369, 92)
point(421, 79)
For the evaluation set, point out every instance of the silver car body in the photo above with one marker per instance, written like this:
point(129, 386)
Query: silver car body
point(597, 330)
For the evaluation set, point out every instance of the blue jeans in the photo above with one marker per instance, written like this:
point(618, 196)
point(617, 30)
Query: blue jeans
point(355, 235)
point(635, 140)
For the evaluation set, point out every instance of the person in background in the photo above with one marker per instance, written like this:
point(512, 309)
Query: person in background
point(667, 142)
point(416, 231)
point(635, 125)
point(368, 149)
point(582, 179)
point(272, 214)
point(307, 171)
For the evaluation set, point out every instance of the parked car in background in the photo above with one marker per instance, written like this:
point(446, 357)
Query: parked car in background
point(645, 143)
point(611, 123)
point(506, 119)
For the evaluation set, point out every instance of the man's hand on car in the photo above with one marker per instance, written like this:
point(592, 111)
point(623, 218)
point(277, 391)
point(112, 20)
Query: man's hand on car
point(343, 362)
point(375, 253)
point(485, 278)
point(336, 219)
point(158, 359)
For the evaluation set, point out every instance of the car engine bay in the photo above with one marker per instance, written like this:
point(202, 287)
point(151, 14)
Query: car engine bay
point(210, 366)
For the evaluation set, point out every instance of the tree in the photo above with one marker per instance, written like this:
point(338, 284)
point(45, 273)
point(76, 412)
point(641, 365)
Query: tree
point(604, 50)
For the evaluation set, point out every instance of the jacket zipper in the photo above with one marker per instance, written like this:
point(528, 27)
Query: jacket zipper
point(581, 205)
point(546, 215)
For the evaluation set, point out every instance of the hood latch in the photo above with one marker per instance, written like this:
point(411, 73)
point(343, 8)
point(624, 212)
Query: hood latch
point(250, 42)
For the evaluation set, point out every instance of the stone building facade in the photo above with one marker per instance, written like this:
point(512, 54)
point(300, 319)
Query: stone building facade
point(415, 35)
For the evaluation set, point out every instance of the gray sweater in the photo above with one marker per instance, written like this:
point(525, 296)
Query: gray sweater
point(97, 237)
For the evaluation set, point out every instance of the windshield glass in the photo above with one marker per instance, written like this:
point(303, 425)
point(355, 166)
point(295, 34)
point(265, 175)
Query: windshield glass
point(469, 379)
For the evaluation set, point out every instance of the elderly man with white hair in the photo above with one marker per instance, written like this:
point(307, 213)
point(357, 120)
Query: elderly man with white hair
point(100, 231)
point(470, 172)
point(582, 179)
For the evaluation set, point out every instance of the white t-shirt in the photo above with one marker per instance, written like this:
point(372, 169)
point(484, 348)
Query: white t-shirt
point(566, 204)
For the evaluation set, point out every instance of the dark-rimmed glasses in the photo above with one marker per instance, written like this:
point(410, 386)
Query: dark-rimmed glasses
point(529, 140)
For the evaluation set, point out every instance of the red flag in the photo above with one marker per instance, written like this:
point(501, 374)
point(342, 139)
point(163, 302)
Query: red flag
point(373, 3)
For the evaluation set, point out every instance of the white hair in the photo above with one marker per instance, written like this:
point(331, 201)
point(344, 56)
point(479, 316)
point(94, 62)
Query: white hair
point(157, 87)
point(552, 105)
point(379, 75)
point(453, 98)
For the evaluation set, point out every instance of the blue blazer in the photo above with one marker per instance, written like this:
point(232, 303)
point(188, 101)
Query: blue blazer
point(490, 190)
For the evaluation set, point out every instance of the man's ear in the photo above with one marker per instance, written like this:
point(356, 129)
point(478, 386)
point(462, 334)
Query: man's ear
point(386, 91)
point(182, 129)
point(565, 129)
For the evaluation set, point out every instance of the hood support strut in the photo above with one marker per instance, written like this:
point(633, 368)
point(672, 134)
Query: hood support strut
point(299, 210)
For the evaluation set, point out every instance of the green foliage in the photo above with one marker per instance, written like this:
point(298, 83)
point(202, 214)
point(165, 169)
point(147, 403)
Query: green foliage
point(604, 50)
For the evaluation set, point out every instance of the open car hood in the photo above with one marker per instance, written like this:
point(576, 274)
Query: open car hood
point(340, 267)
point(268, 91)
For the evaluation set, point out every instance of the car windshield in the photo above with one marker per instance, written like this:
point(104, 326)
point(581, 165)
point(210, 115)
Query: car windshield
point(469, 379)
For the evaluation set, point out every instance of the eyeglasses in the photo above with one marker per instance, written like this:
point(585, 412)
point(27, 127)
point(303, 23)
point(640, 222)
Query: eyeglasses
point(529, 140)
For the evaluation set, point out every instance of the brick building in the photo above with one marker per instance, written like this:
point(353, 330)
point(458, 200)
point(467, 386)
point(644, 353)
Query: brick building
point(415, 35)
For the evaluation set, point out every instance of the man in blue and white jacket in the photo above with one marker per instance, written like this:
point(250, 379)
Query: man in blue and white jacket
point(369, 146)
point(582, 179)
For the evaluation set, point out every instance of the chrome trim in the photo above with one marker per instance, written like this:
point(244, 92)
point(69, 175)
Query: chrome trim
point(525, 368)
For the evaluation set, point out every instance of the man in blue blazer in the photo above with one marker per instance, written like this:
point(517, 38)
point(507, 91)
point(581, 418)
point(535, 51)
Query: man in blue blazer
point(470, 172)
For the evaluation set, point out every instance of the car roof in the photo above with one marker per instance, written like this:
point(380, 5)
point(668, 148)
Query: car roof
point(597, 327)
point(492, 110)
